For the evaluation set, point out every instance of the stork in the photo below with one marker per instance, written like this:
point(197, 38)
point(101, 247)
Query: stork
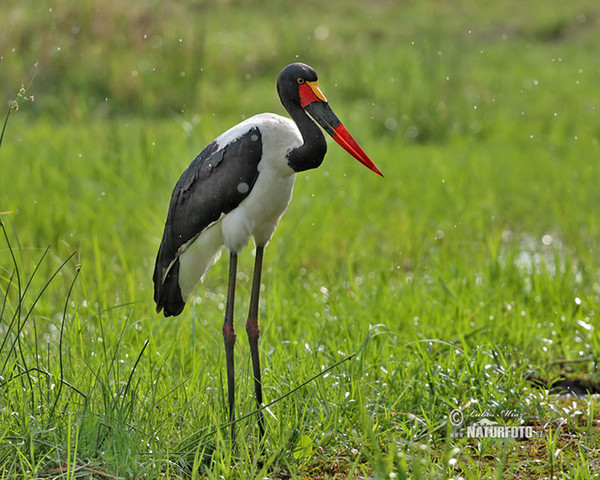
point(240, 186)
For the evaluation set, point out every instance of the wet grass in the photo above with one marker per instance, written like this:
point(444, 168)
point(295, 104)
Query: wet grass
point(467, 271)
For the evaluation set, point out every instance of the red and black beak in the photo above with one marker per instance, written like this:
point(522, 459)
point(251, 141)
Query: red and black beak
point(315, 103)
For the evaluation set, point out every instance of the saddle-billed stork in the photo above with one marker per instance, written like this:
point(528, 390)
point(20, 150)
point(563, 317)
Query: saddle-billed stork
point(240, 186)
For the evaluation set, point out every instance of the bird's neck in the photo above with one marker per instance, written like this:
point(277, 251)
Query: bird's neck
point(311, 153)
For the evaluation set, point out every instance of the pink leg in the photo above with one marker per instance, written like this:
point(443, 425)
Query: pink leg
point(229, 337)
point(254, 333)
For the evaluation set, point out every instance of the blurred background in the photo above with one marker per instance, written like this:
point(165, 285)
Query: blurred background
point(417, 68)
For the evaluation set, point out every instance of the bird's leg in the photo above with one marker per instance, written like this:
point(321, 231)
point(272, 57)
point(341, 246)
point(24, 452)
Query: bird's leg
point(229, 337)
point(254, 333)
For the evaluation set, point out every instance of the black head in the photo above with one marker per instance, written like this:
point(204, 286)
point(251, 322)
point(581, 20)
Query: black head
point(300, 94)
point(289, 80)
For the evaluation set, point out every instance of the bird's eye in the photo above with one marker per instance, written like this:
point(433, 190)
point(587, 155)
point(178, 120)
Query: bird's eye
point(300, 81)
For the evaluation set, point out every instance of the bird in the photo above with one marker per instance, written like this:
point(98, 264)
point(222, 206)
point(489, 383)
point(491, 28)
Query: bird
point(239, 187)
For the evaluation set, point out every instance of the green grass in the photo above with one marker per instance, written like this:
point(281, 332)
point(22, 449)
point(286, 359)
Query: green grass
point(471, 266)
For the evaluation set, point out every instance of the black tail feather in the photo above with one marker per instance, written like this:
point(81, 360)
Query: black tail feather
point(167, 294)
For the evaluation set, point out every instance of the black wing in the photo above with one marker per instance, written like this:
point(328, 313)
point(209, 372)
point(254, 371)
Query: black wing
point(216, 182)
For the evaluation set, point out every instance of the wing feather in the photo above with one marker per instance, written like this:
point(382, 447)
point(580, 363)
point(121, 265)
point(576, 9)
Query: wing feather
point(214, 183)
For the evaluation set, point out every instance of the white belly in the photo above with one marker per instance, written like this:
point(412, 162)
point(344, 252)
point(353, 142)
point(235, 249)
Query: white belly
point(259, 213)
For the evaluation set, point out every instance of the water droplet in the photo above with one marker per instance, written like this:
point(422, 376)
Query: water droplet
point(156, 41)
point(321, 32)
point(412, 131)
point(390, 123)
point(547, 240)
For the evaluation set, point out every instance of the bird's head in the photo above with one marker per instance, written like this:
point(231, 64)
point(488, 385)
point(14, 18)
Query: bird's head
point(298, 85)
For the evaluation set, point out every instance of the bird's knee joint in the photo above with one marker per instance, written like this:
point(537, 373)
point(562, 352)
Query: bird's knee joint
point(229, 334)
point(252, 328)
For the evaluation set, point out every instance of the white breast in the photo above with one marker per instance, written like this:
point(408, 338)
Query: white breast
point(262, 209)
